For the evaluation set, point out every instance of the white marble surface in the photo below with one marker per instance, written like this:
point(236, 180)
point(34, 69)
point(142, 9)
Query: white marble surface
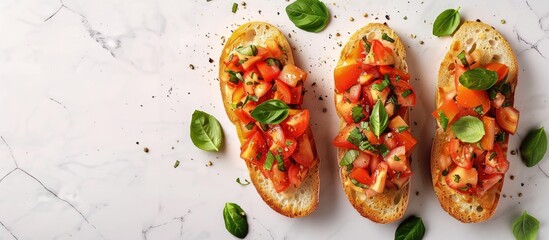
point(82, 81)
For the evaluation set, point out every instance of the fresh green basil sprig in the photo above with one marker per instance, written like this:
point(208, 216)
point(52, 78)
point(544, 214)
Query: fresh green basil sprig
point(534, 147)
point(206, 132)
point(308, 15)
point(271, 112)
point(379, 118)
point(235, 220)
point(446, 22)
point(411, 229)
point(348, 158)
point(468, 129)
point(478, 79)
point(526, 227)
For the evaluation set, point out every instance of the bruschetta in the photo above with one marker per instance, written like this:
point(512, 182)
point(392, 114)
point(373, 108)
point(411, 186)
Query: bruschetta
point(262, 91)
point(373, 96)
point(475, 115)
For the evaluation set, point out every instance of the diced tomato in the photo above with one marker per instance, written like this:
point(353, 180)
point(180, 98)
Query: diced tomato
point(467, 98)
point(449, 108)
point(281, 144)
point(280, 179)
point(379, 54)
point(396, 159)
point(401, 180)
point(451, 147)
point(283, 92)
point(303, 154)
point(362, 160)
point(371, 136)
point(462, 179)
point(369, 74)
point(507, 119)
point(444, 161)
point(380, 176)
point(407, 140)
point(250, 63)
point(291, 75)
point(488, 182)
point(268, 72)
point(253, 147)
point(273, 47)
point(231, 59)
point(353, 94)
point(246, 133)
point(361, 175)
point(250, 80)
point(262, 88)
point(297, 94)
point(345, 110)
point(340, 140)
point(409, 100)
point(501, 69)
point(393, 72)
point(357, 52)
point(243, 115)
point(375, 94)
point(375, 159)
point(238, 94)
point(346, 76)
point(487, 141)
point(501, 164)
point(498, 100)
point(296, 174)
point(403, 85)
point(396, 123)
point(464, 157)
point(389, 140)
point(297, 124)
point(457, 73)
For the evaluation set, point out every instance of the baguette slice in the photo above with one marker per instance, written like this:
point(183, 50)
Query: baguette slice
point(294, 202)
point(391, 205)
point(470, 36)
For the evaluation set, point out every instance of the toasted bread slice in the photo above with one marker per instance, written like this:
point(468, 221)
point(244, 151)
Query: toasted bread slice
point(294, 202)
point(470, 36)
point(390, 205)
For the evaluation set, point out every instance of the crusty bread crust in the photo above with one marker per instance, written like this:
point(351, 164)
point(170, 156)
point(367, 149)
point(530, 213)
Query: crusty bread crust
point(391, 205)
point(466, 207)
point(294, 202)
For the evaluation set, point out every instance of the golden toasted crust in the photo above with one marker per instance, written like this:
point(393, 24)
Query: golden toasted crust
point(292, 202)
point(391, 205)
point(471, 35)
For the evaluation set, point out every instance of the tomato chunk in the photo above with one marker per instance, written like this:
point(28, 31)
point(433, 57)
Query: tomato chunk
point(487, 141)
point(362, 160)
point(462, 179)
point(496, 162)
point(361, 175)
point(488, 182)
point(380, 177)
point(341, 138)
point(304, 152)
point(396, 123)
point(280, 179)
point(297, 94)
point(396, 159)
point(353, 94)
point(394, 72)
point(507, 118)
point(449, 108)
point(248, 64)
point(268, 72)
point(291, 75)
point(274, 48)
point(253, 147)
point(297, 124)
point(283, 92)
point(296, 174)
point(346, 76)
point(405, 97)
point(501, 69)
point(379, 54)
point(407, 140)
point(468, 98)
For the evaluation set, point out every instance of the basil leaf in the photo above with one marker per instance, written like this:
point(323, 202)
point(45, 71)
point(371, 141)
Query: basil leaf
point(367, 44)
point(355, 137)
point(387, 38)
point(411, 229)
point(446, 22)
point(206, 132)
point(270, 112)
point(443, 120)
point(478, 109)
point(357, 114)
point(308, 15)
point(348, 158)
point(245, 183)
point(468, 129)
point(235, 77)
point(250, 50)
point(402, 128)
point(406, 93)
point(463, 59)
point(280, 163)
point(526, 227)
point(533, 147)
point(235, 220)
point(274, 61)
point(269, 160)
point(365, 126)
point(379, 118)
point(383, 150)
point(478, 79)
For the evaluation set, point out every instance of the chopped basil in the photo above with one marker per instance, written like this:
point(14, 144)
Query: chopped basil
point(367, 44)
point(274, 61)
point(357, 114)
point(269, 161)
point(379, 118)
point(234, 77)
point(383, 150)
point(507, 104)
point(355, 137)
point(456, 178)
point(366, 145)
point(387, 38)
point(500, 137)
point(406, 93)
point(468, 129)
point(271, 112)
point(396, 158)
point(288, 142)
point(463, 59)
point(250, 125)
point(384, 83)
point(356, 183)
point(402, 128)
point(445, 172)
point(348, 158)
point(492, 155)
point(466, 187)
point(280, 162)
point(443, 120)
point(478, 109)
point(478, 79)
point(365, 126)
point(534, 147)
point(235, 7)
point(246, 182)
point(250, 50)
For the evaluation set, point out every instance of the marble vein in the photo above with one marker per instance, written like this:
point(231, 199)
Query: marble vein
point(181, 219)
point(55, 101)
point(9, 231)
point(543, 171)
point(17, 168)
point(533, 46)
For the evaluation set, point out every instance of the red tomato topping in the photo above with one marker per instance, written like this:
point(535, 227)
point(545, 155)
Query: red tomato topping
point(507, 118)
point(291, 75)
